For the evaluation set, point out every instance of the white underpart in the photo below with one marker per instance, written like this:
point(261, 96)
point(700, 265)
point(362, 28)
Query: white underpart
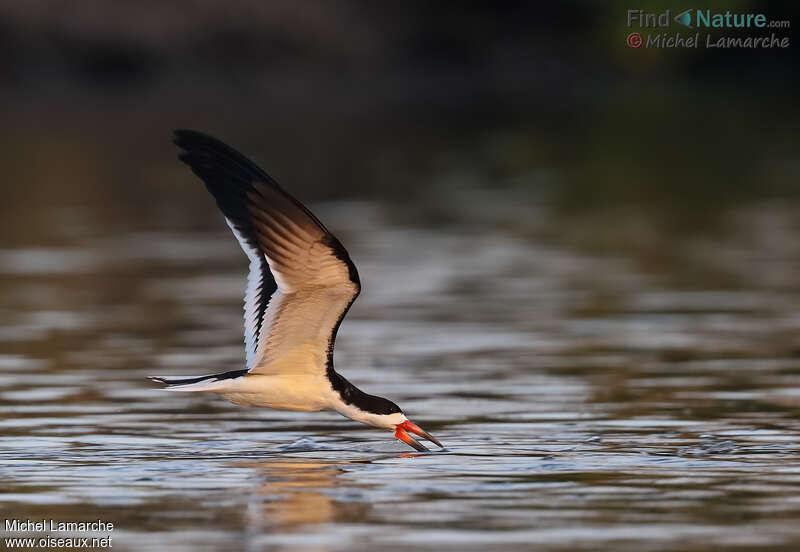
point(303, 392)
point(385, 421)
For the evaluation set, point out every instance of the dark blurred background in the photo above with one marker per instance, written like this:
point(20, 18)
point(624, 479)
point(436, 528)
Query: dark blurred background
point(417, 103)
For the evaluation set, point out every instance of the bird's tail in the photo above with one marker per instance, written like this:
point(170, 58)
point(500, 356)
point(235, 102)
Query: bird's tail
point(211, 382)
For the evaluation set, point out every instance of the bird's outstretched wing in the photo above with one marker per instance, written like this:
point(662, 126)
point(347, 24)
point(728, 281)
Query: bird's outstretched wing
point(301, 281)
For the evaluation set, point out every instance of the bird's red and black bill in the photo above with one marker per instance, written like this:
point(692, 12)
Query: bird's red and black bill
point(402, 432)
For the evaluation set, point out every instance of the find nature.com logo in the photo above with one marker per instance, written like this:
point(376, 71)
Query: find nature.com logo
point(703, 22)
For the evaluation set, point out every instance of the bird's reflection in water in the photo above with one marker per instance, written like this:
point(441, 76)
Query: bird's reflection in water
point(289, 494)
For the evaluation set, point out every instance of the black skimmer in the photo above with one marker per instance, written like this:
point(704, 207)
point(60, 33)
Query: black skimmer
point(301, 284)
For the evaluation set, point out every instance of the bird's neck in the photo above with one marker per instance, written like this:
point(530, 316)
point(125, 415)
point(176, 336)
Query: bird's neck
point(349, 393)
point(353, 403)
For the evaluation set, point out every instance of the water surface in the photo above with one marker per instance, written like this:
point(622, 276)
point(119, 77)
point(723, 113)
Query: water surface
point(588, 399)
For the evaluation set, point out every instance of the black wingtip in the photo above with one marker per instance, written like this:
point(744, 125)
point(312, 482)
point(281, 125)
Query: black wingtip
point(188, 139)
point(187, 133)
point(202, 151)
point(180, 135)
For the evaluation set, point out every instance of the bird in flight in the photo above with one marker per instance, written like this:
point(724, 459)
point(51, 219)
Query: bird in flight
point(300, 286)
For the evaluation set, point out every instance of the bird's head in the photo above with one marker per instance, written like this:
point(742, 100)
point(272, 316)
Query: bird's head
point(377, 412)
point(403, 426)
point(383, 413)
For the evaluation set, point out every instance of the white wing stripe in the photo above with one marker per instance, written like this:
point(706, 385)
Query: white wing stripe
point(252, 298)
